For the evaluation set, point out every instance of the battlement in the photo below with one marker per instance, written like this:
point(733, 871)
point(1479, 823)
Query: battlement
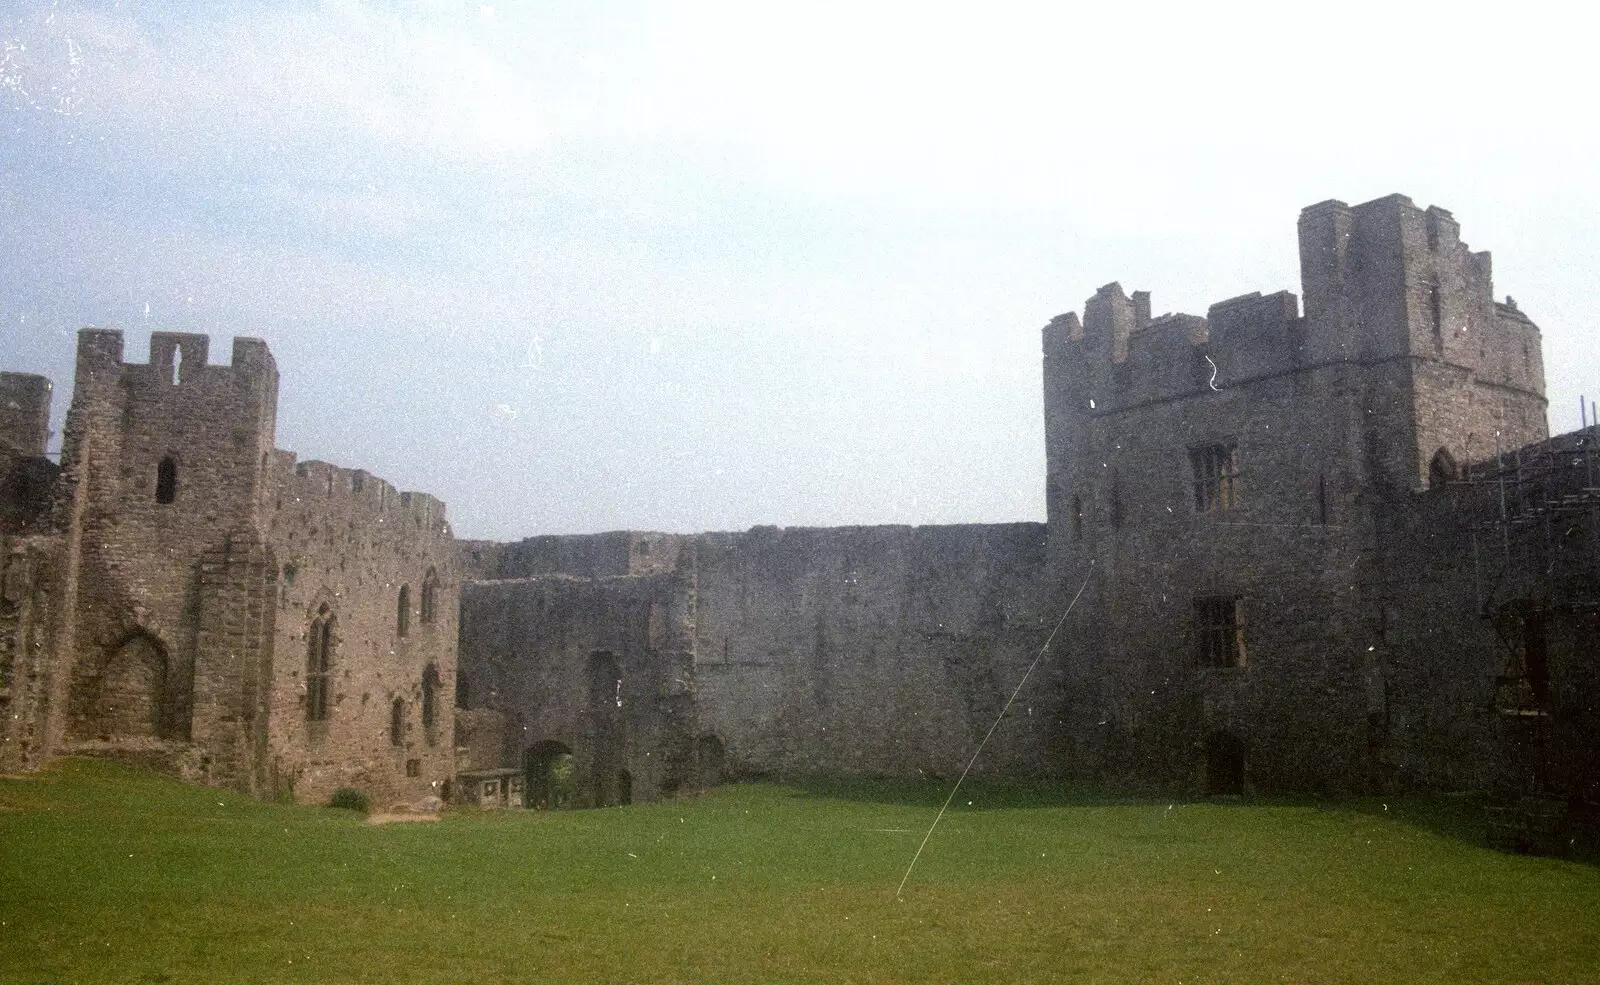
point(1120, 355)
point(322, 482)
point(175, 358)
point(1383, 281)
point(24, 414)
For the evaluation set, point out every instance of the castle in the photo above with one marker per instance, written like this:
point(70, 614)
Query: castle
point(1329, 550)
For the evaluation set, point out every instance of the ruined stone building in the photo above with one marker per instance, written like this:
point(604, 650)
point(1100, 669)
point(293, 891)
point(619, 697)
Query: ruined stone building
point(185, 595)
point(1315, 546)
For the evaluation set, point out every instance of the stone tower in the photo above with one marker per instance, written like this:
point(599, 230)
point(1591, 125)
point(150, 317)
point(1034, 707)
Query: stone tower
point(169, 577)
point(1216, 481)
point(1450, 376)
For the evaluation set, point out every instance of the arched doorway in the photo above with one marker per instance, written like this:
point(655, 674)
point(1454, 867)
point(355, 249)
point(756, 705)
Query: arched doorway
point(1224, 765)
point(134, 695)
point(1442, 468)
point(547, 768)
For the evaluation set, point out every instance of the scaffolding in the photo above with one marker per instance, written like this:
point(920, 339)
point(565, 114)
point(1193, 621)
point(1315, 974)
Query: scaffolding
point(1534, 520)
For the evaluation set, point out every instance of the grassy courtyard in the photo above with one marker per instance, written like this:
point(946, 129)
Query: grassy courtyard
point(112, 876)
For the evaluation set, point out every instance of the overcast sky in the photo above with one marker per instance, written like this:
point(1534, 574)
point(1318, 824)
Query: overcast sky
point(586, 266)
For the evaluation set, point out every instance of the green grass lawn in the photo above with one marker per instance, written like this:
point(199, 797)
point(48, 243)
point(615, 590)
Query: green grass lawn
point(107, 875)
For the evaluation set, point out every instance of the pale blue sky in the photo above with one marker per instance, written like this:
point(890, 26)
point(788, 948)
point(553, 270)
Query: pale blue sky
point(586, 266)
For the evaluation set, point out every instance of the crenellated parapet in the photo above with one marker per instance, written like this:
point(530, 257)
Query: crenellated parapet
point(1400, 341)
point(1121, 357)
point(176, 359)
point(24, 414)
point(314, 482)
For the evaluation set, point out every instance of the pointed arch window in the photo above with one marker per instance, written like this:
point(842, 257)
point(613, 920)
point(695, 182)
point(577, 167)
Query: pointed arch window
point(166, 480)
point(430, 704)
point(1442, 468)
point(402, 611)
point(319, 664)
point(430, 596)
point(397, 722)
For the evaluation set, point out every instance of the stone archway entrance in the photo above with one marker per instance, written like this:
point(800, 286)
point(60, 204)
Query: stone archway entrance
point(134, 693)
point(547, 769)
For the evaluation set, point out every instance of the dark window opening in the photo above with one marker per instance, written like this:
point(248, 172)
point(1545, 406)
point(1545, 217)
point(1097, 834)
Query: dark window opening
point(1442, 468)
point(1115, 482)
point(413, 767)
point(319, 661)
point(430, 596)
point(1536, 656)
point(462, 694)
point(1219, 632)
point(1322, 499)
point(430, 704)
point(166, 480)
point(1224, 765)
point(402, 611)
point(397, 722)
point(1216, 477)
point(1436, 314)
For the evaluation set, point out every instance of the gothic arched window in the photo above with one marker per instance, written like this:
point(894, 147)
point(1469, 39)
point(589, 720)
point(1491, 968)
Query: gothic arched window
point(430, 596)
point(319, 664)
point(430, 704)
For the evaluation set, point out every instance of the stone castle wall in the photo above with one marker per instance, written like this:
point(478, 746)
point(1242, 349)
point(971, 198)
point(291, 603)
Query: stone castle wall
point(874, 651)
point(858, 651)
point(601, 667)
point(347, 544)
point(30, 599)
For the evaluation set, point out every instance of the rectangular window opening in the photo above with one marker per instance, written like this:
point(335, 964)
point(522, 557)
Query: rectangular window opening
point(1216, 477)
point(1219, 631)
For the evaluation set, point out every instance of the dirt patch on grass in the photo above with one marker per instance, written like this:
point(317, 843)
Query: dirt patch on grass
point(400, 818)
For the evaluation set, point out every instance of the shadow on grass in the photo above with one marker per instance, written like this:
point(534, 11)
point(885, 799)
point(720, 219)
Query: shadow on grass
point(982, 793)
point(1464, 817)
point(1459, 817)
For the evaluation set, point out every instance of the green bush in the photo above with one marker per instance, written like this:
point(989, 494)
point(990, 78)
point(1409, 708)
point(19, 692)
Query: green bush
point(351, 799)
